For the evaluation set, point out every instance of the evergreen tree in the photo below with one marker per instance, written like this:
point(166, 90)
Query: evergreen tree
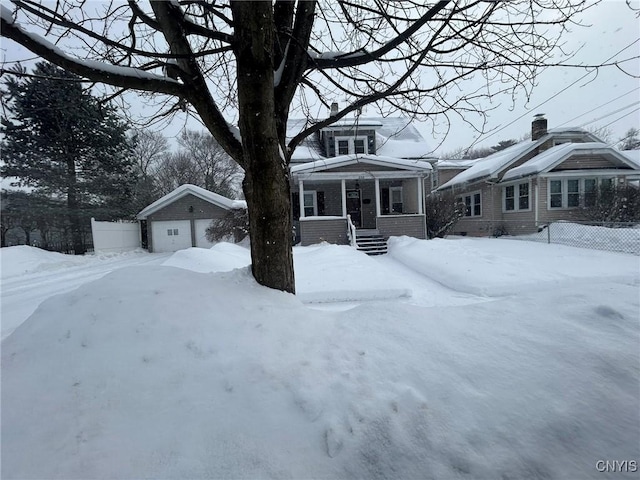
point(66, 144)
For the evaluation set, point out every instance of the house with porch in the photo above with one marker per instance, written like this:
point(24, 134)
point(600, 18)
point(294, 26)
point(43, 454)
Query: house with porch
point(359, 181)
point(526, 186)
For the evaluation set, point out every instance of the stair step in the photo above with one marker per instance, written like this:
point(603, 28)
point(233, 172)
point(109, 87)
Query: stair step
point(369, 241)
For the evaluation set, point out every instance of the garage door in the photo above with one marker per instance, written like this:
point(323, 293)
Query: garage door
point(201, 238)
point(171, 236)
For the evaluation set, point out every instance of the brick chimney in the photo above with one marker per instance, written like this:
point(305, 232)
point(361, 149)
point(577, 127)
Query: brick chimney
point(538, 126)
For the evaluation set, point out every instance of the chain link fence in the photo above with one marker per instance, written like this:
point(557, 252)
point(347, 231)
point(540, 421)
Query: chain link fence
point(611, 236)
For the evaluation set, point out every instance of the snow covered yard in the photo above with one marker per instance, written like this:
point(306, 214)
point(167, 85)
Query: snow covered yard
point(464, 358)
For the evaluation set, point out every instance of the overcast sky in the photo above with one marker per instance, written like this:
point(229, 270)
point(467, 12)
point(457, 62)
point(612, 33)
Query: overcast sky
point(568, 96)
point(582, 97)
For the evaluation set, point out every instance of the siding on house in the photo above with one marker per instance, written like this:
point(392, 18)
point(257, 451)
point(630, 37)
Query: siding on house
point(516, 222)
point(396, 225)
point(332, 195)
point(179, 210)
point(548, 216)
point(444, 175)
point(481, 225)
point(332, 230)
point(584, 163)
point(362, 167)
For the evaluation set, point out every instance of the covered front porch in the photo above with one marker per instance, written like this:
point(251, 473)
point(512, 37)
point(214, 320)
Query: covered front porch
point(337, 200)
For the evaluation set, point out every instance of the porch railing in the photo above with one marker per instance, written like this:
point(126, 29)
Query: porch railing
point(351, 232)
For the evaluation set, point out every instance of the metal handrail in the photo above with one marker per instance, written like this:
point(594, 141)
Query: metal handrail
point(351, 232)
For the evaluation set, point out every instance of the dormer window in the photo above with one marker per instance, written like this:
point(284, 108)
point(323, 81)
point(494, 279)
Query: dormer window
point(351, 145)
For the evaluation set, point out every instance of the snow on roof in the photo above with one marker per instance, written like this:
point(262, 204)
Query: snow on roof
point(555, 155)
point(395, 136)
point(494, 163)
point(489, 167)
point(352, 123)
point(187, 189)
point(455, 163)
point(305, 153)
point(633, 156)
point(343, 160)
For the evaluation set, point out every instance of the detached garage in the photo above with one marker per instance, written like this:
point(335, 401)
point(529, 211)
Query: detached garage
point(179, 219)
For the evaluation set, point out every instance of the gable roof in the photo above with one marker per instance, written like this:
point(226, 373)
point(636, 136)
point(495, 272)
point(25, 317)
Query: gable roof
point(188, 189)
point(549, 159)
point(633, 156)
point(344, 160)
point(489, 167)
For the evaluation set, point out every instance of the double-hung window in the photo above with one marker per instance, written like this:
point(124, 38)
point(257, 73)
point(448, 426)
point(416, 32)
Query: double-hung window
point(574, 192)
point(472, 205)
point(310, 203)
point(516, 197)
point(351, 145)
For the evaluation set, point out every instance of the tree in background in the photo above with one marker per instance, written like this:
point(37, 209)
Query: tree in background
point(216, 170)
point(149, 150)
point(443, 210)
point(603, 133)
point(199, 160)
point(63, 143)
point(250, 59)
point(465, 153)
point(631, 140)
point(32, 212)
point(176, 168)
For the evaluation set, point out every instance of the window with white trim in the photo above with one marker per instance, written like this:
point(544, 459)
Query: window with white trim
point(350, 145)
point(573, 192)
point(310, 203)
point(472, 204)
point(516, 197)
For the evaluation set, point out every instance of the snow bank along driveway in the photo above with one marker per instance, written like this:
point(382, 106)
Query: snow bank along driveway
point(493, 359)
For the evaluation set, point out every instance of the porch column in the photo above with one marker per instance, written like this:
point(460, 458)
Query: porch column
point(378, 209)
point(344, 198)
point(420, 181)
point(301, 195)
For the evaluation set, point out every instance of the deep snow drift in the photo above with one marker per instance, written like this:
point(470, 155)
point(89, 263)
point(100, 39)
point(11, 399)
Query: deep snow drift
point(163, 372)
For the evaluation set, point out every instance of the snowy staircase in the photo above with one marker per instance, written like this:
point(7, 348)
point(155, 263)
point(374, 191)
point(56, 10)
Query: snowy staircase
point(371, 242)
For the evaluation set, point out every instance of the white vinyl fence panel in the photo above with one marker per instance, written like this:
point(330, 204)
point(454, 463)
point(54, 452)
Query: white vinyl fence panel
point(115, 236)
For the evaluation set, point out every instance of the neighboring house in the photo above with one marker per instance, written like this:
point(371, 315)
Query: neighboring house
point(526, 186)
point(359, 180)
point(179, 219)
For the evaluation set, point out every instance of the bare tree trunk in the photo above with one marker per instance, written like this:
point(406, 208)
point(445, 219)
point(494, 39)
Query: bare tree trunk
point(266, 183)
point(73, 209)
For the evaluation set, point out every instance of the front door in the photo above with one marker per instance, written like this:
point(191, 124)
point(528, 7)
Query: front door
point(354, 207)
